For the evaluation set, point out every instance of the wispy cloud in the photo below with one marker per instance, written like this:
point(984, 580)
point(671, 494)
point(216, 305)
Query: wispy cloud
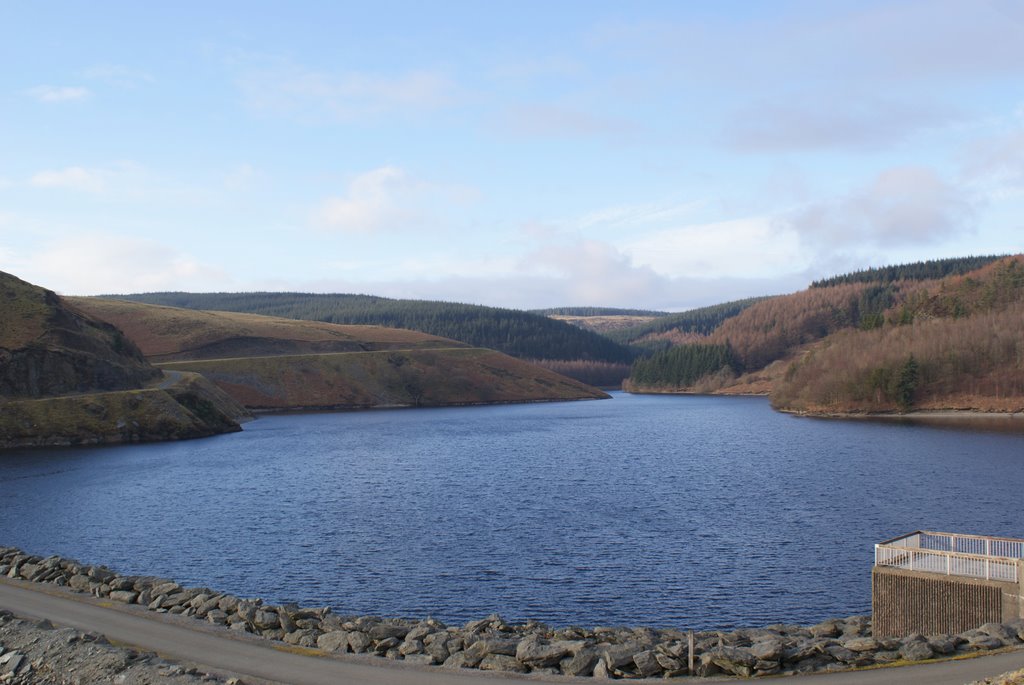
point(59, 94)
point(118, 75)
point(291, 89)
point(71, 178)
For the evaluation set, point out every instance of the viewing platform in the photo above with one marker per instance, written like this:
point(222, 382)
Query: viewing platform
point(931, 583)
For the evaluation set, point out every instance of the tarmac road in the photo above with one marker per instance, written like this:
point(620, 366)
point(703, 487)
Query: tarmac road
point(258, 660)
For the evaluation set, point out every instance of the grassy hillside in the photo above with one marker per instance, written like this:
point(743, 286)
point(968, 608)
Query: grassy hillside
point(67, 378)
point(191, 408)
point(520, 334)
point(169, 333)
point(272, 363)
point(361, 380)
point(861, 345)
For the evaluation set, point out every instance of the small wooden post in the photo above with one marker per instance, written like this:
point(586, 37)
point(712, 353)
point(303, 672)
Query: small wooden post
point(689, 655)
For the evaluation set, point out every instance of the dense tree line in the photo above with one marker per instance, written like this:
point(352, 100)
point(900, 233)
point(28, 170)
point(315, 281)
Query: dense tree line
point(682, 366)
point(700, 321)
point(596, 311)
point(517, 333)
point(916, 271)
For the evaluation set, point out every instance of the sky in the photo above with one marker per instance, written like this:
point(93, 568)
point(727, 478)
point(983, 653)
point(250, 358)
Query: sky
point(528, 154)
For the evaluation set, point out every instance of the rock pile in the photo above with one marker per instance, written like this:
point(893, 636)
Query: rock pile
point(36, 653)
point(493, 644)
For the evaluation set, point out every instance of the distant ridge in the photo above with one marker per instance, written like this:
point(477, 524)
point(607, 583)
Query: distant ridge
point(913, 271)
point(518, 333)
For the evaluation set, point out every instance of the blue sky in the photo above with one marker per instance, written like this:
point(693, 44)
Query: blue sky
point(651, 154)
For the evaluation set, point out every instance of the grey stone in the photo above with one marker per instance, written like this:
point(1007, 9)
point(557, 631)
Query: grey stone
point(411, 647)
point(335, 641)
point(358, 641)
point(601, 669)
point(286, 621)
point(646, 663)
point(582, 663)
point(438, 651)
point(735, 661)
point(942, 644)
point(388, 643)
point(475, 653)
point(917, 650)
point(265, 619)
point(768, 650)
point(383, 631)
point(861, 644)
point(535, 652)
point(617, 656)
point(457, 660)
point(126, 596)
point(165, 588)
point(831, 628)
point(669, 662)
point(998, 630)
point(420, 631)
point(502, 662)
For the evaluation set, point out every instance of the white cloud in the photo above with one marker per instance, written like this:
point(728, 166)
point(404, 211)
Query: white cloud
point(55, 94)
point(286, 88)
point(373, 202)
point(753, 247)
point(901, 206)
point(389, 199)
point(98, 263)
point(72, 178)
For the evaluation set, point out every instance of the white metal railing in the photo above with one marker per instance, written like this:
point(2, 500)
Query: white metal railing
point(953, 554)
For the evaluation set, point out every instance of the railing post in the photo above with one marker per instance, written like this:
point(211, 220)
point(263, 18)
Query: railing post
point(949, 564)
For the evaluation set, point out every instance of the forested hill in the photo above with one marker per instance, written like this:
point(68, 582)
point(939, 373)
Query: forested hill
point(596, 311)
point(663, 331)
point(917, 271)
point(517, 333)
point(867, 346)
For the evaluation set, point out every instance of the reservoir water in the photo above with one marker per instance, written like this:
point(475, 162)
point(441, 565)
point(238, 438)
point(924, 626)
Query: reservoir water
point(690, 512)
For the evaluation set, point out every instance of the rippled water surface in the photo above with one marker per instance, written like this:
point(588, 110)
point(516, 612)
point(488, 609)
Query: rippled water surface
point(702, 512)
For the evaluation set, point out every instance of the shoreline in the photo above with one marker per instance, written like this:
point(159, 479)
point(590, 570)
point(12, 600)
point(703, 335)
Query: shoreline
point(535, 648)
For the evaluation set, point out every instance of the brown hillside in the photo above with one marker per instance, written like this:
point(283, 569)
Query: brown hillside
point(169, 333)
point(957, 343)
point(409, 378)
point(271, 363)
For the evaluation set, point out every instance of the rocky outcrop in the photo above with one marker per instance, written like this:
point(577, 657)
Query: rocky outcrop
point(49, 348)
point(493, 644)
